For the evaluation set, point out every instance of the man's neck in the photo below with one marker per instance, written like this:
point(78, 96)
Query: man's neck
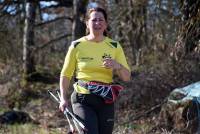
point(95, 38)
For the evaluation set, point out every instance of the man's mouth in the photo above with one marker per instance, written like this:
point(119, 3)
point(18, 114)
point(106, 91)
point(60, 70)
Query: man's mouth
point(97, 28)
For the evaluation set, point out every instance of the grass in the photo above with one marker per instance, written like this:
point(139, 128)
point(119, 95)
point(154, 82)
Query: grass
point(27, 129)
point(36, 129)
point(2, 110)
point(136, 128)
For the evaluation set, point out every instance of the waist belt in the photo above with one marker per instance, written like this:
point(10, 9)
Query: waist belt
point(109, 92)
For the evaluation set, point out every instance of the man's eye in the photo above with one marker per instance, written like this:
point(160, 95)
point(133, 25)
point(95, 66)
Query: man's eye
point(94, 20)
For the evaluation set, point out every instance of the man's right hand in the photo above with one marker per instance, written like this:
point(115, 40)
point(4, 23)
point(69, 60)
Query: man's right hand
point(63, 105)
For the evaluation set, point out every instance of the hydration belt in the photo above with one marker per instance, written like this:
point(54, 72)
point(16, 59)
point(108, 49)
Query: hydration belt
point(109, 92)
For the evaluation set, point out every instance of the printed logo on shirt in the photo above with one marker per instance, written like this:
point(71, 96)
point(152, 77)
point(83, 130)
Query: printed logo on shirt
point(106, 56)
point(86, 58)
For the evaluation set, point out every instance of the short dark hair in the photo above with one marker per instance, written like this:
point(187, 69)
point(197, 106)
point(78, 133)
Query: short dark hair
point(97, 9)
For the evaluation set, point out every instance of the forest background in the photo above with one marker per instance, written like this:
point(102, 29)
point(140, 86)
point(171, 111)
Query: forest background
point(160, 39)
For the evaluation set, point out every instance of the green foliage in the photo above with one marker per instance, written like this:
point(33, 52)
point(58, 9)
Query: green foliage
point(27, 129)
point(15, 100)
point(2, 110)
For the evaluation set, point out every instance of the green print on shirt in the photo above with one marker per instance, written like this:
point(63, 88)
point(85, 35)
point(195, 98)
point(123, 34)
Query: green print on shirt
point(106, 56)
point(86, 59)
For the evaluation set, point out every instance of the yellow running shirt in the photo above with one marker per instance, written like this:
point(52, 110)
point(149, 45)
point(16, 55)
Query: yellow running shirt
point(86, 59)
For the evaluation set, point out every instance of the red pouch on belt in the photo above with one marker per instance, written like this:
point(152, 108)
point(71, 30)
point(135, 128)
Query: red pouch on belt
point(109, 92)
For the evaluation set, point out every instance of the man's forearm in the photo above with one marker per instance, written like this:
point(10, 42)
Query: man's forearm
point(64, 85)
point(123, 73)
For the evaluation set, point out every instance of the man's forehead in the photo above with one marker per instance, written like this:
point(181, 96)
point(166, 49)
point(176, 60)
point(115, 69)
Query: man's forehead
point(96, 15)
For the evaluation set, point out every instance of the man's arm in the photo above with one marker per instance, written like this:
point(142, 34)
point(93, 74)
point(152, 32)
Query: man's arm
point(64, 85)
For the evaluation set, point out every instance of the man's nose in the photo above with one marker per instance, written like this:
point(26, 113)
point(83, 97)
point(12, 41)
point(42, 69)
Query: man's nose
point(97, 21)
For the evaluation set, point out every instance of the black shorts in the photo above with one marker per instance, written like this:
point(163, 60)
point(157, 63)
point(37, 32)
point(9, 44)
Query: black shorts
point(95, 114)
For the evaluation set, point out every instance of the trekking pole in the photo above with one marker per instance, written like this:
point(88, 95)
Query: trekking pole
point(75, 124)
point(67, 113)
point(67, 116)
point(73, 117)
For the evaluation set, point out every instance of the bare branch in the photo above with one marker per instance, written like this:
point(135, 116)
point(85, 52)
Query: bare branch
point(4, 8)
point(56, 19)
point(52, 41)
point(154, 108)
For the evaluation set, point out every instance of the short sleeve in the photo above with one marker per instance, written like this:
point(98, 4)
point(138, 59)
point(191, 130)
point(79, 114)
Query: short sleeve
point(70, 62)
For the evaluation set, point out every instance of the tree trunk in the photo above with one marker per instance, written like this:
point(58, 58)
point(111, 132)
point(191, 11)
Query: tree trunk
point(138, 37)
point(78, 27)
point(28, 39)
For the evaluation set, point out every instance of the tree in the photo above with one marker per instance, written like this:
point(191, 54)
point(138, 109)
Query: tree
point(128, 25)
point(190, 29)
point(78, 27)
point(28, 39)
point(29, 45)
point(189, 35)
